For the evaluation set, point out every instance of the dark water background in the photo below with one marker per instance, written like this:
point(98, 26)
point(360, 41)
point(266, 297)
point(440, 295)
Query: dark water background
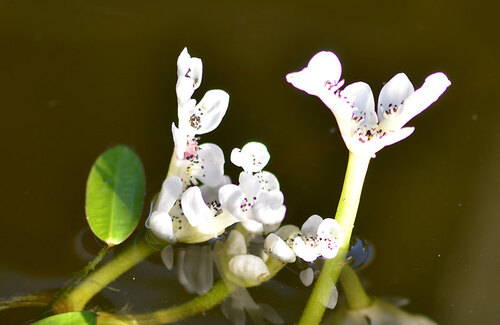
point(77, 77)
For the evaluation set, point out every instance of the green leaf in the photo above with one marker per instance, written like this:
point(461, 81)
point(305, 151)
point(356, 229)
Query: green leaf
point(73, 318)
point(115, 193)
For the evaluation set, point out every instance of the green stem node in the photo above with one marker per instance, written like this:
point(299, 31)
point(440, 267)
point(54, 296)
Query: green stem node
point(77, 298)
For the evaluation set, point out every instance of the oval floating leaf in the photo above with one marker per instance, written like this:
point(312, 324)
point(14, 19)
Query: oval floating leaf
point(115, 193)
point(73, 318)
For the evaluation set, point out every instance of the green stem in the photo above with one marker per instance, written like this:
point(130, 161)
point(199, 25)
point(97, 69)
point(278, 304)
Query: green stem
point(81, 276)
point(77, 298)
point(40, 299)
point(356, 296)
point(198, 305)
point(346, 215)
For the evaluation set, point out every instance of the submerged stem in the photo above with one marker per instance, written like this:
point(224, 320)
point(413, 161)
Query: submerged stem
point(198, 305)
point(356, 296)
point(73, 283)
point(346, 215)
point(77, 298)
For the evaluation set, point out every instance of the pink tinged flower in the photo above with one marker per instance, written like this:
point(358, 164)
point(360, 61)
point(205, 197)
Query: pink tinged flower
point(160, 221)
point(198, 119)
point(206, 166)
point(364, 131)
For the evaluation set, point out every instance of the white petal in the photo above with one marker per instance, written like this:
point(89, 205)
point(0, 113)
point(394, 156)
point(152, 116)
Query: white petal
point(267, 180)
point(210, 111)
point(181, 274)
point(211, 193)
point(304, 251)
point(160, 224)
point(396, 136)
point(235, 244)
point(249, 268)
point(189, 74)
point(332, 301)
point(235, 315)
point(360, 95)
point(252, 226)
point(196, 210)
point(277, 248)
point(330, 237)
point(307, 276)
point(433, 87)
point(253, 157)
point(231, 198)
point(198, 268)
point(269, 208)
point(322, 72)
point(250, 185)
point(393, 94)
point(167, 256)
point(170, 191)
point(180, 141)
point(288, 231)
point(310, 227)
point(211, 165)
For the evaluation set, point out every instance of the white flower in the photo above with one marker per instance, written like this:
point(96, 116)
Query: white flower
point(253, 157)
point(257, 201)
point(194, 119)
point(188, 219)
point(363, 131)
point(318, 238)
point(189, 73)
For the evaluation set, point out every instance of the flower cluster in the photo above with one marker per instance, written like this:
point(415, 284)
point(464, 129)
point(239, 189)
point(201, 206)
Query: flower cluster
point(316, 238)
point(365, 131)
point(257, 201)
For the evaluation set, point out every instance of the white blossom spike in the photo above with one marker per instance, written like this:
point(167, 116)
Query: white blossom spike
point(363, 132)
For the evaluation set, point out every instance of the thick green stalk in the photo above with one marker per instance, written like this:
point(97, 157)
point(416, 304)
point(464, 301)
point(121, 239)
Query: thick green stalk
point(356, 296)
point(77, 298)
point(346, 215)
point(198, 305)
